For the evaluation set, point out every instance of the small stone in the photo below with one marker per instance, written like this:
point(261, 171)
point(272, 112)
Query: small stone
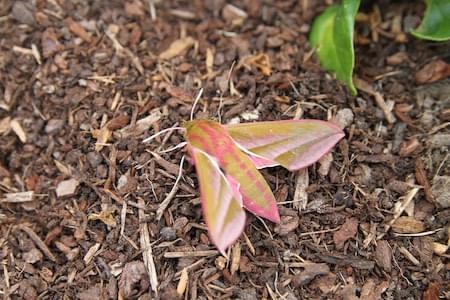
point(344, 117)
point(168, 233)
point(94, 158)
point(441, 190)
point(23, 12)
point(53, 125)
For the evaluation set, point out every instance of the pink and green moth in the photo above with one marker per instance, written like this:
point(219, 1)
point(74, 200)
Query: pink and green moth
point(227, 159)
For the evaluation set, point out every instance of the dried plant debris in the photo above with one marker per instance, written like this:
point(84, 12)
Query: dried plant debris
point(88, 211)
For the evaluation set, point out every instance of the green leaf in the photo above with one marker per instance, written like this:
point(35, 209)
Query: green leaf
point(332, 35)
point(435, 25)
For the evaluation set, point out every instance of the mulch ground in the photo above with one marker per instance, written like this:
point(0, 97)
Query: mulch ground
point(82, 83)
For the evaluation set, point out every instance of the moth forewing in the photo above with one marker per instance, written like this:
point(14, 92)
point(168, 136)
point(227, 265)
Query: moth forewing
point(221, 205)
point(213, 139)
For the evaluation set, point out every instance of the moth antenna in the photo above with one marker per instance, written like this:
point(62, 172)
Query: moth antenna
point(219, 110)
point(180, 145)
point(265, 226)
point(162, 207)
point(195, 103)
point(161, 132)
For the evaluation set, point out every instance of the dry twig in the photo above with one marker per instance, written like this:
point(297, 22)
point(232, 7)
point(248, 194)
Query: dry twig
point(146, 248)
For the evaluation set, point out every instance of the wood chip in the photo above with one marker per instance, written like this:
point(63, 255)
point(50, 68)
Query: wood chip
point(201, 253)
point(408, 225)
point(38, 242)
point(441, 190)
point(309, 273)
point(177, 47)
point(18, 130)
point(373, 291)
point(67, 187)
point(118, 122)
point(110, 33)
point(90, 254)
point(32, 256)
point(62, 168)
point(146, 248)
point(287, 224)
point(383, 255)
point(348, 260)
point(18, 197)
point(183, 14)
point(399, 209)
point(422, 179)
point(348, 230)
point(439, 249)
point(141, 126)
point(182, 283)
point(235, 257)
point(325, 283)
point(233, 14)
point(5, 125)
point(209, 60)
point(300, 195)
point(325, 164)
point(408, 255)
point(432, 292)
point(77, 29)
point(133, 272)
point(433, 71)
point(366, 87)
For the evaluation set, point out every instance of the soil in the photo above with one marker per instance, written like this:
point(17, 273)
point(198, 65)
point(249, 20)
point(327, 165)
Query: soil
point(82, 83)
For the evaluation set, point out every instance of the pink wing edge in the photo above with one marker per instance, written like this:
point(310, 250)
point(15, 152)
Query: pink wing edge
point(234, 186)
point(262, 162)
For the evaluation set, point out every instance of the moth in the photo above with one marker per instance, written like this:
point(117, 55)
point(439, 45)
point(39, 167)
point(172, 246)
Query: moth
point(227, 159)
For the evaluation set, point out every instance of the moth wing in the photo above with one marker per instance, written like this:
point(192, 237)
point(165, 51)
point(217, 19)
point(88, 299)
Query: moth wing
point(293, 144)
point(221, 201)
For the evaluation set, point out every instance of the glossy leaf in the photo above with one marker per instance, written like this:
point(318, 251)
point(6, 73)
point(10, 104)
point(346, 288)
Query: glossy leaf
point(221, 202)
point(435, 25)
point(213, 139)
point(293, 144)
point(332, 35)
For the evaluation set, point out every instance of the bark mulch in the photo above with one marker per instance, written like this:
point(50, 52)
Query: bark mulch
point(82, 83)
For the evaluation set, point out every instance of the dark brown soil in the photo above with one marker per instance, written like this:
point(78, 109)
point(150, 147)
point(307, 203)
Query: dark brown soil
point(82, 83)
